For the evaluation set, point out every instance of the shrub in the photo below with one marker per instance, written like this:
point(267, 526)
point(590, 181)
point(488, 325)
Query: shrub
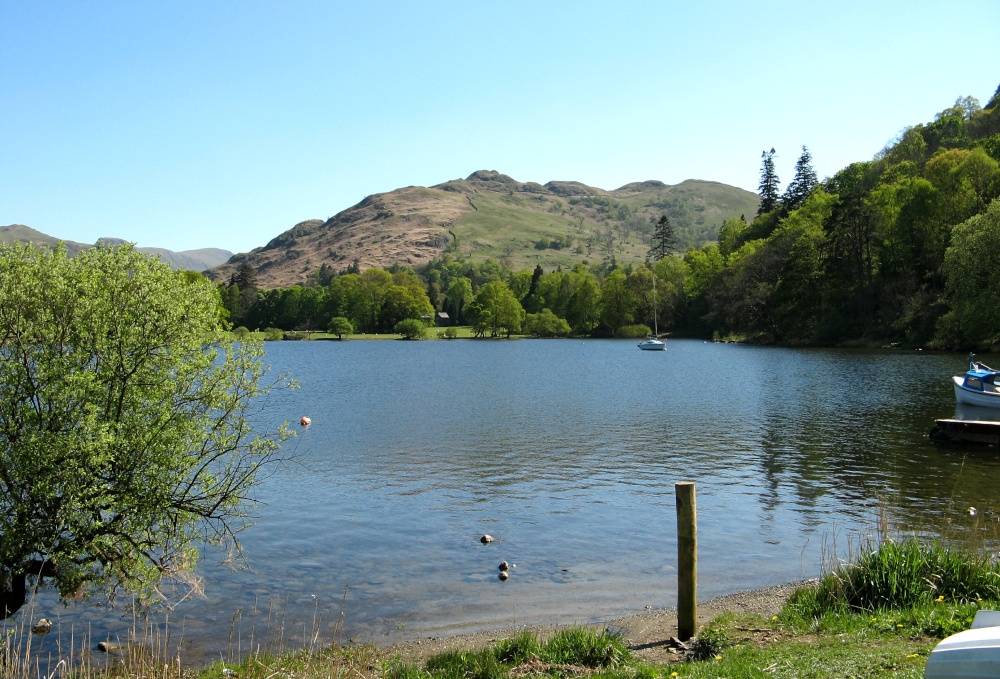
point(902, 574)
point(241, 333)
point(273, 334)
point(410, 328)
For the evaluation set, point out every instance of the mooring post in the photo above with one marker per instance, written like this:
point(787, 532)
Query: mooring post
point(687, 561)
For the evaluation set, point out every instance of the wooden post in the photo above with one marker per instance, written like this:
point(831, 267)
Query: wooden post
point(687, 561)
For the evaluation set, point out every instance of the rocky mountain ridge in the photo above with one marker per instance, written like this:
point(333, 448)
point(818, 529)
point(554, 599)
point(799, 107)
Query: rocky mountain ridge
point(489, 214)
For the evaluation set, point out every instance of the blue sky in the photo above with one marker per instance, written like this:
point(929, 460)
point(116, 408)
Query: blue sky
point(221, 124)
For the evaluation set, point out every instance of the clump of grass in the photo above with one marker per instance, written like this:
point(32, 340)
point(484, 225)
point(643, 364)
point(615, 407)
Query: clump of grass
point(711, 641)
point(902, 574)
point(573, 651)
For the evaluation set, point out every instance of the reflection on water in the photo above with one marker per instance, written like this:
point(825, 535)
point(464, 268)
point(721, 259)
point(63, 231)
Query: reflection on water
point(567, 451)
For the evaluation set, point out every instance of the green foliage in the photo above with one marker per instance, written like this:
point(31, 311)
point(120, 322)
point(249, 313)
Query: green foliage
point(546, 324)
point(273, 334)
point(340, 326)
point(972, 281)
point(241, 333)
point(410, 328)
point(123, 421)
point(495, 309)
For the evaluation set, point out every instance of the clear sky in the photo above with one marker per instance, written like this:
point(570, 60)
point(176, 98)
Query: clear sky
point(190, 124)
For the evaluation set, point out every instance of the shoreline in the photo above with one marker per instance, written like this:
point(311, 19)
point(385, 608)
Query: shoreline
point(647, 633)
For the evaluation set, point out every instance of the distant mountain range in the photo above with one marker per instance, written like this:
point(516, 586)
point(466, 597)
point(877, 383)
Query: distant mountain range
point(491, 215)
point(486, 215)
point(192, 260)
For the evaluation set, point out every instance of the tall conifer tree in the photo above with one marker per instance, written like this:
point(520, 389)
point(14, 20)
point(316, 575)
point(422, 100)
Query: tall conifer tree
point(768, 188)
point(664, 239)
point(802, 184)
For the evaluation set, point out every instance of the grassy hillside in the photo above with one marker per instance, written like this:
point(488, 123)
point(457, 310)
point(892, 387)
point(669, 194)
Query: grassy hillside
point(491, 215)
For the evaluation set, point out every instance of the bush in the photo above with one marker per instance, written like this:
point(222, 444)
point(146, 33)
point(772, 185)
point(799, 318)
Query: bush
point(410, 328)
point(633, 331)
point(294, 335)
point(902, 574)
point(241, 333)
point(273, 334)
point(546, 324)
point(450, 333)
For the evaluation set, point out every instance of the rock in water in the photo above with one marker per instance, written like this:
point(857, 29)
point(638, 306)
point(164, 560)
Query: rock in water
point(486, 539)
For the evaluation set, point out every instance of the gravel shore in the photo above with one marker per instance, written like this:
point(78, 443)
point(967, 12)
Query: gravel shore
point(647, 633)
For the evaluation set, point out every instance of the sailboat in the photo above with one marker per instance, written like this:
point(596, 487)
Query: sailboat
point(653, 342)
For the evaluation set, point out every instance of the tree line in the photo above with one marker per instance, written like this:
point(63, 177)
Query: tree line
point(895, 249)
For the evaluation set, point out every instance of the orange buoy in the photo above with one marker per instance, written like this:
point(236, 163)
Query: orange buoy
point(305, 421)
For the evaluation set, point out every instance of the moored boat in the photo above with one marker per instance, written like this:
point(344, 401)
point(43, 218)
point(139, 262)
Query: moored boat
point(653, 341)
point(978, 387)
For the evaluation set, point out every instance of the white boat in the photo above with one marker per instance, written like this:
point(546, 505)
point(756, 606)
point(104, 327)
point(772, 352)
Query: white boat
point(978, 387)
point(972, 653)
point(653, 342)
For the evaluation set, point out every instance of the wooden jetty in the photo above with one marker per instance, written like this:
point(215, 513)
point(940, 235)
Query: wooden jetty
point(977, 432)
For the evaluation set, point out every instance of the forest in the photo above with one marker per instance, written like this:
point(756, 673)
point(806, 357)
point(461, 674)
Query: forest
point(897, 250)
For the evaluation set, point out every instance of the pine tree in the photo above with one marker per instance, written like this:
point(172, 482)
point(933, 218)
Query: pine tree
point(803, 183)
point(768, 189)
point(664, 239)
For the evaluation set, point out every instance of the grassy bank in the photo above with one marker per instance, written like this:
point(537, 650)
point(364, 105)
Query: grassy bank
point(878, 617)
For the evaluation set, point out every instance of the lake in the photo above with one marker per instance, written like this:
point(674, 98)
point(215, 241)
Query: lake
point(567, 452)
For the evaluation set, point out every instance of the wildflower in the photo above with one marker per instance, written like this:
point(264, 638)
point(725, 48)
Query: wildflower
point(913, 655)
point(773, 618)
point(940, 598)
point(718, 657)
point(674, 674)
point(874, 619)
point(899, 625)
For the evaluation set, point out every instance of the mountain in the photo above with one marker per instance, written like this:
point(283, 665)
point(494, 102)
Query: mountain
point(491, 215)
point(192, 260)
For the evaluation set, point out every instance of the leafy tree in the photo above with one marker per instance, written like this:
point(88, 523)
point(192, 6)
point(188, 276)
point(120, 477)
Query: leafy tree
point(618, 303)
point(972, 283)
point(768, 188)
point(802, 184)
point(546, 324)
point(496, 309)
point(340, 326)
point(400, 303)
point(459, 294)
point(124, 439)
point(663, 241)
point(731, 235)
point(583, 312)
point(410, 328)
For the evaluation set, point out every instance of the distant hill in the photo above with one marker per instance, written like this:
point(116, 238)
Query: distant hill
point(192, 260)
point(491, 215)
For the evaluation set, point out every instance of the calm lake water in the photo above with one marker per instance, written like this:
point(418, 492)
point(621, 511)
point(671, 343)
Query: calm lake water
point(567, 452)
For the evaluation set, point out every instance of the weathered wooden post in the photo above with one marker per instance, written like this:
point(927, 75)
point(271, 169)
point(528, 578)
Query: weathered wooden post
point(687, 561)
